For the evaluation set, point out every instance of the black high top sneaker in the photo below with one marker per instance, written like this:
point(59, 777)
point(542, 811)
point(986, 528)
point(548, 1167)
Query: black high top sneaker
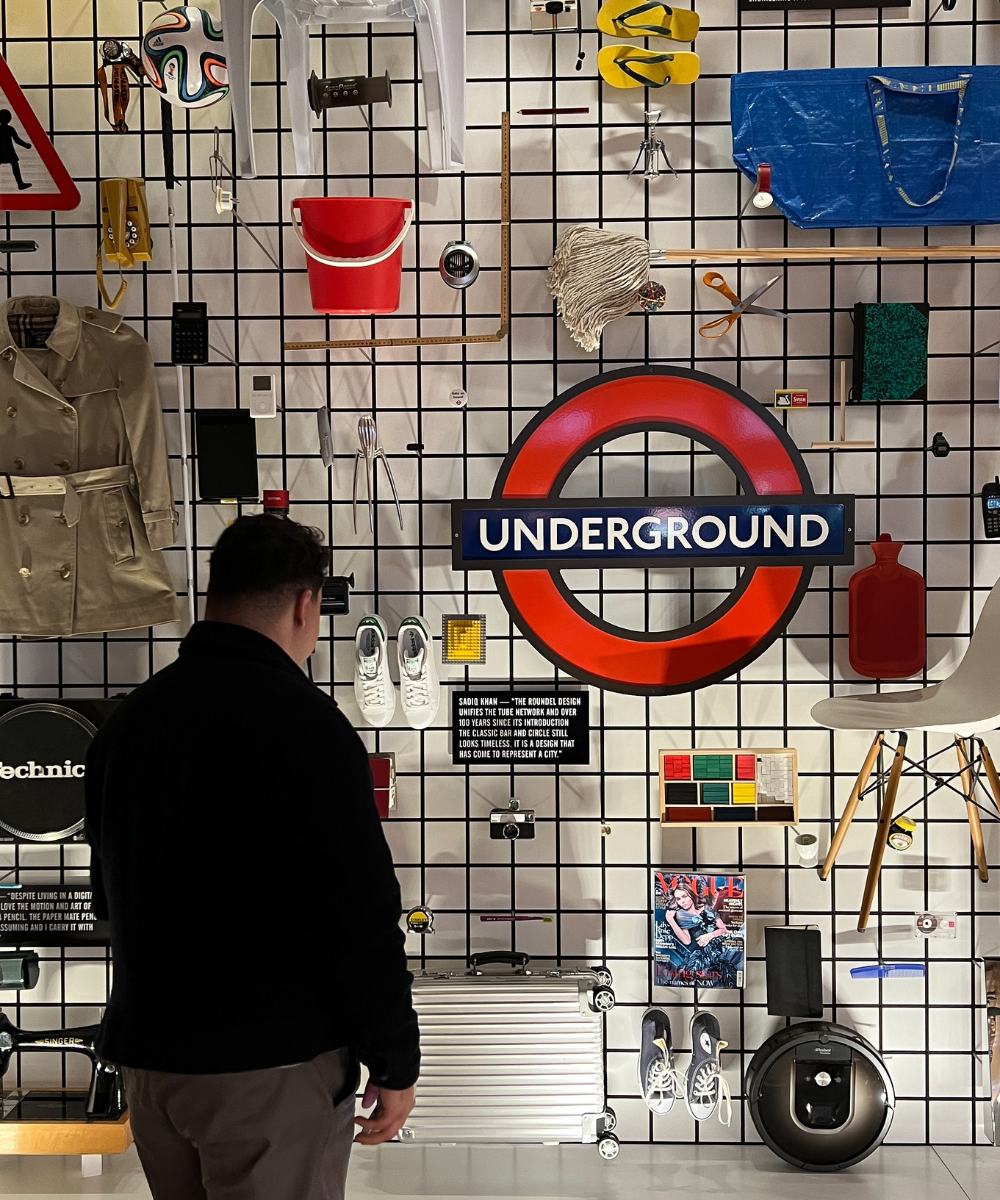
point(659, 1083)
point(706, 1089)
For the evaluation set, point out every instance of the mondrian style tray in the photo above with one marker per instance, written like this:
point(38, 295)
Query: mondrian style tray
point(729, 787)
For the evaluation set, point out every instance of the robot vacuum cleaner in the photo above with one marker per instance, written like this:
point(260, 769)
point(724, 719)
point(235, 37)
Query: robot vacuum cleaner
point(820, 1096)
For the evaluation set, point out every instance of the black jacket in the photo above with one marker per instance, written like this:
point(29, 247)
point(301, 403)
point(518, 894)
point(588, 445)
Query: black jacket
point(238, 854)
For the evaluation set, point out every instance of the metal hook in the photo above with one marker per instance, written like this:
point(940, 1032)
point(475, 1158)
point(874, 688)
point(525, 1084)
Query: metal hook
point(226, 201)
point(370, 452)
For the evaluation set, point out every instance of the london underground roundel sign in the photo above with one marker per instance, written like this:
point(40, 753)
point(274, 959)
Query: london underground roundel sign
point(777, 528)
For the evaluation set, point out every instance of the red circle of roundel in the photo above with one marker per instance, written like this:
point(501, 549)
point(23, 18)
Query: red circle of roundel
point(709, 411)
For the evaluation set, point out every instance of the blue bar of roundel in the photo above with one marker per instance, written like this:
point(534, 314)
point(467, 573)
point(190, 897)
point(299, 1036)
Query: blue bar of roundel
point(678, 532)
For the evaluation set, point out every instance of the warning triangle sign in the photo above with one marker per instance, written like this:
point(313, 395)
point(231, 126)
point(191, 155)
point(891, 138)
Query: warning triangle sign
point(32, 175)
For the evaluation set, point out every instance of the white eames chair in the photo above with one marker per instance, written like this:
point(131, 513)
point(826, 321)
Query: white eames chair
point(965, 705)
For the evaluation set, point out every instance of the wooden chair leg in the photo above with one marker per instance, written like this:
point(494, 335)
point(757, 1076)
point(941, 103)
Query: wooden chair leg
point(882, 834)
point(852, 806)
point(975, 824)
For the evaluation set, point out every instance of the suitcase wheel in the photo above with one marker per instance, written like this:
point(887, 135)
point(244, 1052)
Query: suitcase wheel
point(608, 1146)
point(604, 999)
point(603, 975)
point(610, 1120)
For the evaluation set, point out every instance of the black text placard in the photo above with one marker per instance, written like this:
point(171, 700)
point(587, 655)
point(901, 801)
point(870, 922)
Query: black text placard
point(51, 914)
point(520, 727)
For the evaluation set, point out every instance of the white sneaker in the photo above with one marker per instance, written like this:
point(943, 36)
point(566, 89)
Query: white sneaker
point(418, 679)
point(373, 687)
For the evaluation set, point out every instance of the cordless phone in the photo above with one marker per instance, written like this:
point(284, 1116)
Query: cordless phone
point(189, 333)
point(991, 508)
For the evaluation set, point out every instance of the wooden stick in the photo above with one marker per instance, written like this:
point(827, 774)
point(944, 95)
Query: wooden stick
point(975, 825)
point(882, 834)
point(823, 253)
point(852, 806)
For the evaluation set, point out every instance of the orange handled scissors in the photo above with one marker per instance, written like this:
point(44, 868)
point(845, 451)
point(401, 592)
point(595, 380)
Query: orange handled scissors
point(740, 307)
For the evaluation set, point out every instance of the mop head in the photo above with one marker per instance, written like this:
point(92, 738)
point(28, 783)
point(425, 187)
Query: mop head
point(596, 276)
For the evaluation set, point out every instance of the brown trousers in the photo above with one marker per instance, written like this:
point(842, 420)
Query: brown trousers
point(284, 1133)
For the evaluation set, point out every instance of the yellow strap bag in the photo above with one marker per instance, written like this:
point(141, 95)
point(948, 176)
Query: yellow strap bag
point(125, 237)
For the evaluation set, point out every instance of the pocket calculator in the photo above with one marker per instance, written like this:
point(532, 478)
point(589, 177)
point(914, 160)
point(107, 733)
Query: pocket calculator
point(991, 508)
point(189, 333)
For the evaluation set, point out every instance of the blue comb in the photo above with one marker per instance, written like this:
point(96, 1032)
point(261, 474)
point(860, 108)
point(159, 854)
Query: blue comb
point(885, 970)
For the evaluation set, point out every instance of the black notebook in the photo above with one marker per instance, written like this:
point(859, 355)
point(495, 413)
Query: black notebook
point(794, 962)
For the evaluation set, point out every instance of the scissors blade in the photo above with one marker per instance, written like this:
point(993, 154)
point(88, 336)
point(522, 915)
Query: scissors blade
point(745, 304)
point(765, 312)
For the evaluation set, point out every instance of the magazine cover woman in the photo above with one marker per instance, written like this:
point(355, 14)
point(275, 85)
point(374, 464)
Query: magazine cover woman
point(698, 944)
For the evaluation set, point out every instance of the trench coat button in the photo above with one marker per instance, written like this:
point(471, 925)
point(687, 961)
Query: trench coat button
point(8, 354)
point(65, 571)
point(18, 464)
point(61, 518)
point(11, 411)
point(68, 409)
point(24, 518)
point(89, 313)
point(24, 572)
point(123, 524)
point(63, 464)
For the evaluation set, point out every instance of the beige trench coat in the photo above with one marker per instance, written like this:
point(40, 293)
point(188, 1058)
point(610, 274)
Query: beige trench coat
point(85, 497)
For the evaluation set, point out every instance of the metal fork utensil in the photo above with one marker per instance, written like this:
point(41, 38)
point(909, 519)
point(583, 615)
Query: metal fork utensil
point(370, 451)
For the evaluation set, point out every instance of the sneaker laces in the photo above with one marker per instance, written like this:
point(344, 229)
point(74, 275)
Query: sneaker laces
point(662, 1077)
point(710, 1084)
point(373, 690)
point(415, 677)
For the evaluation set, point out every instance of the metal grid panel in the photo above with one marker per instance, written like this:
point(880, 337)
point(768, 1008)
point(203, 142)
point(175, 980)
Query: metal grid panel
point(597, 889)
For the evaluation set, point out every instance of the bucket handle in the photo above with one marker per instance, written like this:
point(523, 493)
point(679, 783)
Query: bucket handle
point(370, 261)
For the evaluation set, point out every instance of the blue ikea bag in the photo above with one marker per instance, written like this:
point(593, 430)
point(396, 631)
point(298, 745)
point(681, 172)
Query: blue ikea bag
point(872, 146)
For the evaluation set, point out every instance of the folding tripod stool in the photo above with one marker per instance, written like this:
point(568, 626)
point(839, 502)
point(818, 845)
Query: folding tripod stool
point(965, 705)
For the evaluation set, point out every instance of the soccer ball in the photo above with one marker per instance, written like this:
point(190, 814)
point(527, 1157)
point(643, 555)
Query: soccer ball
point(182, 54)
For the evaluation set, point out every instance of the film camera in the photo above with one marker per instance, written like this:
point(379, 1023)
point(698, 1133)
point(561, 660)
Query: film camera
point(512, 822)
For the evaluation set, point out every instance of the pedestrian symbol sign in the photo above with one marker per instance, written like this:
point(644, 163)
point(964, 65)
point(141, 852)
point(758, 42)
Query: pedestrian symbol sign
point(32, 175)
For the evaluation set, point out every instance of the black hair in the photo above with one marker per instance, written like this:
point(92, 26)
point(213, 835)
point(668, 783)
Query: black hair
point(266, 560)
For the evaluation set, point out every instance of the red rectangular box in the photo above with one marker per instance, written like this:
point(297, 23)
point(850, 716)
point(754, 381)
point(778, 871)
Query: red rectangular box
point(383, 768)
point(688, 814)
point(677, 766)
point(746, 766)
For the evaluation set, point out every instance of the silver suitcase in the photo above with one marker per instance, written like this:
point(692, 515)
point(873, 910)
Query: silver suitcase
point(512, 1056)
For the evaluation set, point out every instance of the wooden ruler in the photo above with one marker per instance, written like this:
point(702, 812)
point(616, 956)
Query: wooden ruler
point(466, 339)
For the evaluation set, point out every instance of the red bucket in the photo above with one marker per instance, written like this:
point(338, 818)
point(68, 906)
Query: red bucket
point(354, 248)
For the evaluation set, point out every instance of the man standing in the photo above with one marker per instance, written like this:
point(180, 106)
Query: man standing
point(238, 854)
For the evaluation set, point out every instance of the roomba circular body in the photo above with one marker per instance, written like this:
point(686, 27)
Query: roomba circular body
point(820, 1096)
point(43, 750)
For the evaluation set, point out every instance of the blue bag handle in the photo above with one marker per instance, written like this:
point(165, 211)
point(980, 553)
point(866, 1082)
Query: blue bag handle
point(876, 84)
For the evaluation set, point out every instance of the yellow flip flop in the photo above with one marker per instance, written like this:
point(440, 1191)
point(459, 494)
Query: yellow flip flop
point(631, 67)
point(633, 18)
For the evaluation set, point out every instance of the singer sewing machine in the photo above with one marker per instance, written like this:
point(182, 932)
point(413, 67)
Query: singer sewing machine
point(106, 1095)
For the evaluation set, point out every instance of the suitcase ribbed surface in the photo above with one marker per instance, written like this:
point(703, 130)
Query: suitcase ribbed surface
point(506, 1060)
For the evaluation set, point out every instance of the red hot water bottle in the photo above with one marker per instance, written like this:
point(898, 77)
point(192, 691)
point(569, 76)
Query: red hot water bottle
point(887, 627)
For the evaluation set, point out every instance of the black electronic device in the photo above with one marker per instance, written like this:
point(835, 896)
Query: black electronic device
point(512, 823)
point(794, 970)
point(336, 598)
point(18, 970)
point(106, 1096)
point(43, 751)
point(820, 1096)
point(991, 508)
point(347, 90)
point(189, 333)
point(226, 447)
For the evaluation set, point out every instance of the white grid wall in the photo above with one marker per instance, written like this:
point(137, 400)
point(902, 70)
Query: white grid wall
point(598, 889)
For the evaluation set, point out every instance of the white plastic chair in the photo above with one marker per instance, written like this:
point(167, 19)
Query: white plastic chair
point(965, 705)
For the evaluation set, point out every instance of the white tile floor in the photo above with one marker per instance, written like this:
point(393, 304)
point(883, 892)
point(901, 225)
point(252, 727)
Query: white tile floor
point(576, 1173)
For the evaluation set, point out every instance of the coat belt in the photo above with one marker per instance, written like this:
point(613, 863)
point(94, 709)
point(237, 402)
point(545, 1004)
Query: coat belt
point(70, 486)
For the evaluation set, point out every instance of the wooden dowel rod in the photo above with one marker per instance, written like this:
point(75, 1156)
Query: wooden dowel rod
point(823, 253)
